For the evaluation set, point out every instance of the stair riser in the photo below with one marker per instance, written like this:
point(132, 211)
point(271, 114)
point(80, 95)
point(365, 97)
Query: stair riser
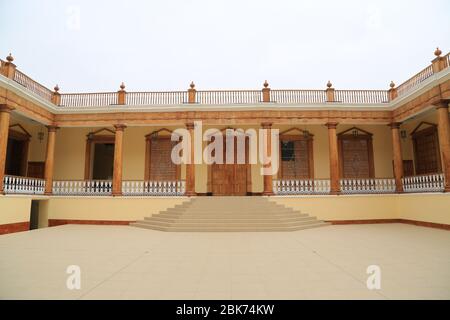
point(232, 229)
point(223, 225)
point(221, 220)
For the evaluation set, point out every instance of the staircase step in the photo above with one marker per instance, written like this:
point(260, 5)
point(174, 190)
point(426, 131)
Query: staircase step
point(228, 223)
point(227, 219)
point(234, 214)
point(230, 229)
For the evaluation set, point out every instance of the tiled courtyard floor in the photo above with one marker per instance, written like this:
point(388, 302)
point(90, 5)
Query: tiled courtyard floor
point(120, 262)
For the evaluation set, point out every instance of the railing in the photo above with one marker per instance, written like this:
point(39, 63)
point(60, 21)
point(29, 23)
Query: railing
point(35, 87)
point(354, 186)
point(89, 99)
point(153, 188)
point(307, 186)
point(23, 185)
point(298, 96)
point(156, 98)
point(424, 183)
point(415, 80)
point(447, 59)
point(87, 187)
point(229, 97)
point(361, 96)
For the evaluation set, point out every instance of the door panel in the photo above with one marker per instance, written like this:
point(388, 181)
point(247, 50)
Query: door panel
point(230, 179)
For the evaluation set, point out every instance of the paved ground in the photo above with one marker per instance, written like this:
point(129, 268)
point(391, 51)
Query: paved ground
point(130, 263)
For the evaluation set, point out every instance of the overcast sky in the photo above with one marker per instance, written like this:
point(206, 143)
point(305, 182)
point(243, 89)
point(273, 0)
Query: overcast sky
point(226, 44)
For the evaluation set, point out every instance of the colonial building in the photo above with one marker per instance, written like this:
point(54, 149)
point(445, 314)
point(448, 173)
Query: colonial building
point(346, 156)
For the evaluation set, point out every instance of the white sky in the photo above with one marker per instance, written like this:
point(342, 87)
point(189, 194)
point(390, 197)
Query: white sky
point(222, 44)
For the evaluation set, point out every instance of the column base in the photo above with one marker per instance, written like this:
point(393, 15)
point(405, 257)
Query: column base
point(48, 193)
point(116, 194)
point(267, 193)
point(335, 193)
point(190, 193)
point(447, 189)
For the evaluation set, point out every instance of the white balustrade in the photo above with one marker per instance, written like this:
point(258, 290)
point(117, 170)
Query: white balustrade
point(349, 186)
point(153, 188)
point(23, 185)
point(86, 187)
point(309, 186)
point(424, 183)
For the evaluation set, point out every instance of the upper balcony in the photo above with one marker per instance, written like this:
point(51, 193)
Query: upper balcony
point(192, 96)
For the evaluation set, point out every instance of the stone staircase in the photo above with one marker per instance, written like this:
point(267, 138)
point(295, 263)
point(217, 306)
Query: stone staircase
point(213, 214)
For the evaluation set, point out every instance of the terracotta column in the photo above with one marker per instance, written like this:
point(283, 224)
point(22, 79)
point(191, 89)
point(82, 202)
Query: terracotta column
point(56, 97)
point(191, 93)
point(268, 184)
point(118, 156)
point(330, 92)
point(444, 140)
point(5, 113)
point(9, 68)
point(190, 167)
point(266, 92)
point(121, 94)
point(398, 159)
point(49, 159)
point(334, 158)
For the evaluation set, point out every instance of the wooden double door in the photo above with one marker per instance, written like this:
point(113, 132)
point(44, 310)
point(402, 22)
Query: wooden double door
point(231, 179)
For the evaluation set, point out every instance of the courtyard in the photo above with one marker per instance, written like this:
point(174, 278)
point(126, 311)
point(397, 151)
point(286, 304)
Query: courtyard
point(122, 262)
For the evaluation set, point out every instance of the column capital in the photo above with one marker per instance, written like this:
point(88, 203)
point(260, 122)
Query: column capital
point(120, 127)
point(394, 125)
point(266, 125)
point(331, 125)
point(6, 108)
point(442, 104)
point(52, 128)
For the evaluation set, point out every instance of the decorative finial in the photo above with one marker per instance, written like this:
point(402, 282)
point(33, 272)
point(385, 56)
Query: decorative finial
point(266, 84)
point(329, 84)
point(437, 52)
point(392, 85)
point(10, 58)
point(192, 85)
point(56, 88)
point(122, 86)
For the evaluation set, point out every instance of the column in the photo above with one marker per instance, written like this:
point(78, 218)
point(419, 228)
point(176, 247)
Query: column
point(398, 159)
point(190, 167)
point(268, 185)
point(49, 159)
point(5, 112)
point(118, 156)
point(334, 158)
point(444, 140)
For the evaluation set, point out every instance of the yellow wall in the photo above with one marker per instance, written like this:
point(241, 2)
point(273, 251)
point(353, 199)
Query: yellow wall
point(432, 207)
point(14, 209)
point(71, 143)
point(108, 208)
point(349, 207)
point(424, 207)
point(419, 207)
